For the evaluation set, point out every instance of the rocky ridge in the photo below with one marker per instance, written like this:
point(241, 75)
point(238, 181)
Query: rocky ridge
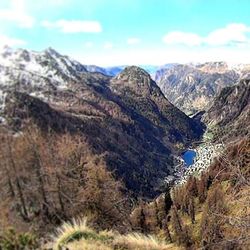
point(192, 87)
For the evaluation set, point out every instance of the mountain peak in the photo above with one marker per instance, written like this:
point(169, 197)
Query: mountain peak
point(5, 49)
point(52, 51)
point(134, 75)
point(133, 71)
point(136, 80)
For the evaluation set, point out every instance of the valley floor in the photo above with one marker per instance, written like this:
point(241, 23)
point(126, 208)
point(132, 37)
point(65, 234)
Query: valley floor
point(205, 154)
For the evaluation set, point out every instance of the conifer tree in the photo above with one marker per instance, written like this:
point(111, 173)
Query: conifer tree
point(191, 186)
point(202, 188)
point(212, 218)
point(166, 230)
point(176, 223)
point(168, 200)
point(181, 232)
point(142, 220)
point(191, 210)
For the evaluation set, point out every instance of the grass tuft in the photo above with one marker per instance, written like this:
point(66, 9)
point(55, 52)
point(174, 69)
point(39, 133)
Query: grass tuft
point(71, 231)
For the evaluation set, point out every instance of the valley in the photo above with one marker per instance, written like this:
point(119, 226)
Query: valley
point(81, 142)
point(124, 125)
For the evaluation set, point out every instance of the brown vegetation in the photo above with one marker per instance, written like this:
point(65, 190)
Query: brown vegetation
point(50, 178)
point(212, 211)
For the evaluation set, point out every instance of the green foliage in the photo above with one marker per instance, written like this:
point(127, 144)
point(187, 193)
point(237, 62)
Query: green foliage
point(78, 235)
point(11, 240)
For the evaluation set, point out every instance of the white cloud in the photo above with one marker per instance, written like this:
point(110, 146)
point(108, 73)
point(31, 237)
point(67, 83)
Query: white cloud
point(133, 40)
point(184, 38)
point(17, 13)
point(232, 33)
point(235, 33)
point(108, 45)
point(5, 40)
point(73, 26)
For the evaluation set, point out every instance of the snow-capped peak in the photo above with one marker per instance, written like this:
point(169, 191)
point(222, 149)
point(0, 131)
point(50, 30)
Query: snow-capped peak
point(36, 72)
point(48, 64)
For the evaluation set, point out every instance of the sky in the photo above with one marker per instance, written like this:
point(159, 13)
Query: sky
point(130, 32)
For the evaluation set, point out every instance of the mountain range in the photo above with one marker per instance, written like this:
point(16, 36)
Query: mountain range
point(127, 118)
point(107, 143)
point(192, 87)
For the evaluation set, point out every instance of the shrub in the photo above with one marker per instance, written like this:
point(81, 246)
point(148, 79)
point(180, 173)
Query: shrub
point(11, 240)
point(76, 230)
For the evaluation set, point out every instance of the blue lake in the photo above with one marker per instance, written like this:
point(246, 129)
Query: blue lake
point(188, 157)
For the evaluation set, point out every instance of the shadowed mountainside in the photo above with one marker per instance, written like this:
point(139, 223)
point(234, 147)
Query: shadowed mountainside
point(127, 118)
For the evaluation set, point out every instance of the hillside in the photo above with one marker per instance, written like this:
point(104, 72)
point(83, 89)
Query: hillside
point(124, 117)
point(229, 115)
point(210, 211)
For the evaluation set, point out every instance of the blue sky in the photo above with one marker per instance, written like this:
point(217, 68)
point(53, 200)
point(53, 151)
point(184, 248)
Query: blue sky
point(117, 32)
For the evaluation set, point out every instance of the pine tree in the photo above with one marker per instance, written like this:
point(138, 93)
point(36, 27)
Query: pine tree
point(202, 188)
point(138, 218)
point(142, 221)
point(157, 215)
point(212, 218)
point(166, 230)
point(175, 221)
point(191, 210)
point(168, 201)
point(191, 186)
point(181, 232)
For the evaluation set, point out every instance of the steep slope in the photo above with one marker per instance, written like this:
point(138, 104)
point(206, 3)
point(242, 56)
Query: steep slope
point(127, 119)
point(230, 112)
point(136, 88)
point(192, 87)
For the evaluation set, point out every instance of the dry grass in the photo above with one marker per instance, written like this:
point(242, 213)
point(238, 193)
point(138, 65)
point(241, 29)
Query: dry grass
point(87, 245)
point(137, 241)
point(76, 235)
point(70, 231)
